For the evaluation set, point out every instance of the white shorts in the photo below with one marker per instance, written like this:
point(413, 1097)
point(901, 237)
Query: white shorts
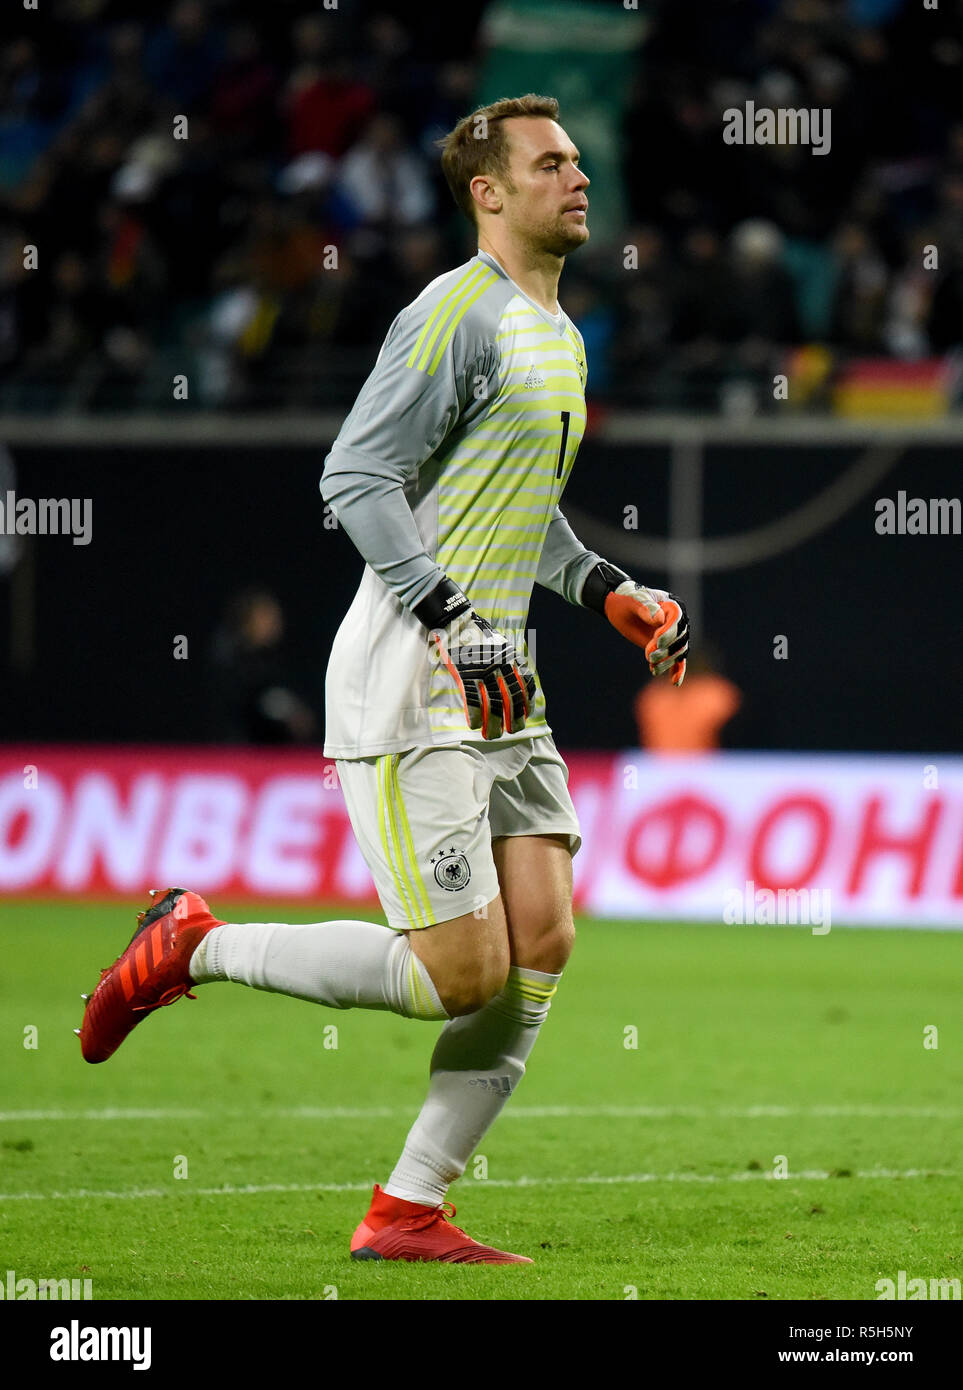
point(425, 820)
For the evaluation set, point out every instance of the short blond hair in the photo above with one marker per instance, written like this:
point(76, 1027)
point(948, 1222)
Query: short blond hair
point(479, 144)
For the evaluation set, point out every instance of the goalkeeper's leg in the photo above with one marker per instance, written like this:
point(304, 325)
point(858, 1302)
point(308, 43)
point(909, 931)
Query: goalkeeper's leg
point(361, 965)
point(421, 822)
point(342, 964)
point(479, 1060)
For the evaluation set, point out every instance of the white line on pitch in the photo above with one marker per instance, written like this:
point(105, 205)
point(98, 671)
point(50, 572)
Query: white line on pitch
point(521, 1112)
point(256, 1189)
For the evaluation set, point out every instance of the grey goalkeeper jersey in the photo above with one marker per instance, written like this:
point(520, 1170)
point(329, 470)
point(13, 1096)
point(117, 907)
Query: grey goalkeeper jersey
point(452, 461)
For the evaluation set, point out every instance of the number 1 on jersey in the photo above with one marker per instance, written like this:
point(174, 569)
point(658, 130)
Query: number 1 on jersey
point(566, 416)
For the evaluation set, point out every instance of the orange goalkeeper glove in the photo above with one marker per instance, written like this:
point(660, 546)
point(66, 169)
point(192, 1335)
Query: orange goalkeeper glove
point(651, 618)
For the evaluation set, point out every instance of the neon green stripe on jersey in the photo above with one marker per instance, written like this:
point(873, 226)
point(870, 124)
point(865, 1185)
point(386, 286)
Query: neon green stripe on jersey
point(460, 311)
point(442, 309)
point(452, 308)
point(530, 724)
point(484, 497)
point(526, 524)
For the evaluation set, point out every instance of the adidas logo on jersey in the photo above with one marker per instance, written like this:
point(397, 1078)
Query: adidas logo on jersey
point(534, 379)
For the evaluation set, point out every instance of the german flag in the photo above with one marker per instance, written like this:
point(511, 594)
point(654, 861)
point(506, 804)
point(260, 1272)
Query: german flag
point(879, 387)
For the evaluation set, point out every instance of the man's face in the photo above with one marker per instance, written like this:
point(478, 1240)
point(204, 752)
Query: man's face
point(546, 208)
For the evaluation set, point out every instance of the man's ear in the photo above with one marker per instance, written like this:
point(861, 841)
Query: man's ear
point(485, 193)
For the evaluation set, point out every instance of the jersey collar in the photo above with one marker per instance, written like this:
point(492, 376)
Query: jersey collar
point(556, 322)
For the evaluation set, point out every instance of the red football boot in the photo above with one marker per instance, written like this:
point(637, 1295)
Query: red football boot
point(152, 971)
point(398, 1230)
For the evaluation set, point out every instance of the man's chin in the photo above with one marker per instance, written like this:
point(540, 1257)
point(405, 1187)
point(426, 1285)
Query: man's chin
point(568, 240)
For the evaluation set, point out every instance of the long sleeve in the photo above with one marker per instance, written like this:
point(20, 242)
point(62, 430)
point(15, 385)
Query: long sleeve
point(564, 560)
point(400, 418)
point(369, 501)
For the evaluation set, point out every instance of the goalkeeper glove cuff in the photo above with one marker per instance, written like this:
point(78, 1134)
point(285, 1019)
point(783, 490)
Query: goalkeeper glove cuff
point(497, 690)
point(651, 618)
point(603, 580)
point(445, 602)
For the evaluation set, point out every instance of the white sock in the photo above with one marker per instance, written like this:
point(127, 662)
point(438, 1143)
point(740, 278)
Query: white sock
point(345, 965)
point(478, 1061)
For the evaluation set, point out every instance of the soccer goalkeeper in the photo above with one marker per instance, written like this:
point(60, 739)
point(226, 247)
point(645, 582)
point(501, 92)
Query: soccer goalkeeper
point(446, 476)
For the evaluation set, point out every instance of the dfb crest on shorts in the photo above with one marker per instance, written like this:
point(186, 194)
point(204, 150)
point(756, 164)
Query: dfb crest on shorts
point(452, 870)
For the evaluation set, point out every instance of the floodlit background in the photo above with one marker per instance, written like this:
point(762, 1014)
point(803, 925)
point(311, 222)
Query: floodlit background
point(309, 127)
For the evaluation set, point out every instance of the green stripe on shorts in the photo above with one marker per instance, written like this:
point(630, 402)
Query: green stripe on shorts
point(393, 823)
point(386, 823)
point(409, 844)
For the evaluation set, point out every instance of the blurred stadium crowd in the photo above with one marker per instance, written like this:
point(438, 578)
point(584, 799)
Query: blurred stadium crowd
point(210, 255)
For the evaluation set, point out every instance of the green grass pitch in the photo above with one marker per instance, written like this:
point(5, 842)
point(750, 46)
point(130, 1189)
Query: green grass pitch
point(625, 1171)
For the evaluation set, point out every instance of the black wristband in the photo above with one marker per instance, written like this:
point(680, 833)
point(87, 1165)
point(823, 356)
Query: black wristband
point(444, 602)
point(598, 584)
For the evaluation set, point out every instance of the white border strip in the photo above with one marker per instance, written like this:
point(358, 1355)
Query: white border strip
point(520, 1112)
point(84, 1194)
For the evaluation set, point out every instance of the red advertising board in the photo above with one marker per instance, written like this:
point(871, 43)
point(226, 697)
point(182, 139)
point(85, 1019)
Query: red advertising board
point(718, 838)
